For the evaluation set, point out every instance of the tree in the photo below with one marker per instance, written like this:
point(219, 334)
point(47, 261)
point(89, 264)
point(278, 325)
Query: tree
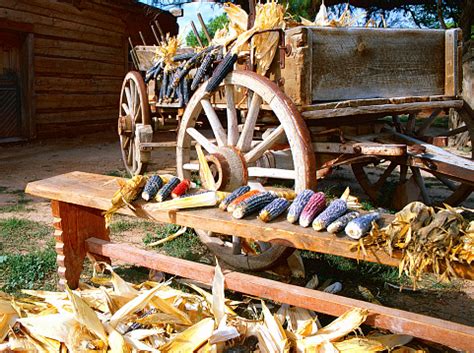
point(212, 26)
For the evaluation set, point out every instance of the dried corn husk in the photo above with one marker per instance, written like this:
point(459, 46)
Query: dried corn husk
point(428, 240)
point(129, 190)
point(166, 50)
point(206, 199)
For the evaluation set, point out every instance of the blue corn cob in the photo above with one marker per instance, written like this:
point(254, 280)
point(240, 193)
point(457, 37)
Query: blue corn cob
point(298, 204)
point(253, 204)
point(335, 210)
point(274, 209)
point(340, 223)
point(315, 205)
point(361, 226)
point(152, 186)
point(233, 195)
point(166, 190)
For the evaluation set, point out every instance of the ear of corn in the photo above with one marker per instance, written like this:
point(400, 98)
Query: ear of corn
point(356, 228)
point(315, 205)
point(240, 199)
point(181, 188)
point(297, 206)
point(203, 69)
point(221, 71)
point(152, 186)
point(183, 56)
point(335, 210)
point(206, 199)
point(233, 195)
point(166, 190)
point(274, 209)
point(339, 224)
point(253, 204)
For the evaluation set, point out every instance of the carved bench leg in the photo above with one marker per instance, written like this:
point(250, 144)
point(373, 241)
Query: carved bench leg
point(73, 225)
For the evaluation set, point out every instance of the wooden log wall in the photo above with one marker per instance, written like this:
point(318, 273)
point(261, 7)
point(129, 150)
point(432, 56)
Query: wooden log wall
point(80, 56)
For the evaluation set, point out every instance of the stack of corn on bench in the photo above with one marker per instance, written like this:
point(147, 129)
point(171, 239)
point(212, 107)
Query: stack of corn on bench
point(79, 199)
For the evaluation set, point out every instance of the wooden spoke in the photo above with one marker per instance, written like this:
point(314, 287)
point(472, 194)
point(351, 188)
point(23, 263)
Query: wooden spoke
point(232, 128)
point(456, 131)
point(129, 100)
point(125, 109)
point(130, 154)
point(191, 166)
point(265, 145)
point(403, 173)
point(271, 173)
point(133, 92)
point(216, 125)
point(410, 126)
point(246, 136)
point(421, 184)
point(236, 245)
point(447, 182)
point(126, 141)
point(385, 175)
point(428, 122)
point(202, 140)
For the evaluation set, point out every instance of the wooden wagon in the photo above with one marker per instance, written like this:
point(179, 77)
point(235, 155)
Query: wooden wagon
point(373, 99)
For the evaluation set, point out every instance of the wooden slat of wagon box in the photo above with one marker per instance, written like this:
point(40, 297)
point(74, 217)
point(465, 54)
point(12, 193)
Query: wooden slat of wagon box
point(95, 191)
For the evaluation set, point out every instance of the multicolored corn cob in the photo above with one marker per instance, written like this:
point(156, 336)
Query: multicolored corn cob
point(315, 205)
point(166, 190)
point(297, 206)
point(233, 195)
point(274, 209)
point(152, 186)
point(231, 207)
point(221, 71)
point(361, 226)
point(181, 188)
point(253, 204)
point(339, 224)
point(335, 210)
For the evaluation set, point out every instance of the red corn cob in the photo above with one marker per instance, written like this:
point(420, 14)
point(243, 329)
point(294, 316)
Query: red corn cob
point(239, 199)
point(181, 188)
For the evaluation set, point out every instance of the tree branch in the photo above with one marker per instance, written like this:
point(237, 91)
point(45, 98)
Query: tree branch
point(439, 10)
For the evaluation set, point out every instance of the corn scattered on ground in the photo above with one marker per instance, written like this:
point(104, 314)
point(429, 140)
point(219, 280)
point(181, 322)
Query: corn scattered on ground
point(117, 316)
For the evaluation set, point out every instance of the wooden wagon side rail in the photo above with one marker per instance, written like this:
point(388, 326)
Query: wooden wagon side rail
point(95, 191)
point(398, 321)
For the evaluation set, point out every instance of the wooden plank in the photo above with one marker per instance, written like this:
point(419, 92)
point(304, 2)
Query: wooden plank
point(76, 128)
point(95, 191)
point(381, 109)
point(79, 85)
point(72, 116)
point(352, 63)
point(398, 321)
point(452, 62)
point(47, 102)
point(73, 225)
point(59, 66)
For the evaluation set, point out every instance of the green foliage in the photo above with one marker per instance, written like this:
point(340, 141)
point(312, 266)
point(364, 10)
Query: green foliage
point(28, 271)
point(213, 26)
point(16, 233)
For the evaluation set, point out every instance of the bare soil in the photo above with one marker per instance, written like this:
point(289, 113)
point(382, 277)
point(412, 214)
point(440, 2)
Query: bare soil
point(99, 153)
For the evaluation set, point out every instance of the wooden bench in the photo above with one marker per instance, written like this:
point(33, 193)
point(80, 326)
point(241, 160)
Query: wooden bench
point(79, 199)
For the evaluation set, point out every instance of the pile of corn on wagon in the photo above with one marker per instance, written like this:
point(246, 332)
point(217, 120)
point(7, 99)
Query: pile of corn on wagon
point(113, 315)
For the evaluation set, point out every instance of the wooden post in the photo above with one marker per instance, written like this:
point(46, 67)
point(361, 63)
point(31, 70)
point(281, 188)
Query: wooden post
point(73, 226)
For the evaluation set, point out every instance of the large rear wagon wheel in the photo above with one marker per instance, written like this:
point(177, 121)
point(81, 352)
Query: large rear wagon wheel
point(134, 109)
point(284, 153)
point(384, 181)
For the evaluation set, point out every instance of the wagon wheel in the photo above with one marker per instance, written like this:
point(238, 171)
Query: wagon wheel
point(238, 157)
point(428, 182)
point(134, 109)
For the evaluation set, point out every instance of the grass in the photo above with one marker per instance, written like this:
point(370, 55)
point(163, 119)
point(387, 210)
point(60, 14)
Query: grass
point(18, 234)
point(122, 173)
point(20, 204)
point(124, 224)
point(186, 246)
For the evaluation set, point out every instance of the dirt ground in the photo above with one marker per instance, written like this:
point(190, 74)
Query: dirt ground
point(99, 153)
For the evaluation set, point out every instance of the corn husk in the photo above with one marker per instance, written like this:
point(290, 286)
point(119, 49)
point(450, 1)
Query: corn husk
point(429, 241)
point(207, 199)
point(129, 190)
point(170, 237)
point(207, 178)
point(166, 50)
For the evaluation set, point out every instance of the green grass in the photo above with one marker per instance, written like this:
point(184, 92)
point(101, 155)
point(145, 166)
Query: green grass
point(186, 246)
point(20, 204)
point(124, 224)
point(122, 173)
point(18, 234)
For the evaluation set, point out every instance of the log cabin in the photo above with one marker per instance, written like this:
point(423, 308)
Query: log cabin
point(62, 63)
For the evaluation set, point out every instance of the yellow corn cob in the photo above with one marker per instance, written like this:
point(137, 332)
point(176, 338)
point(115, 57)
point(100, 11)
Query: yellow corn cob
point(206, 199)
point(128, 192)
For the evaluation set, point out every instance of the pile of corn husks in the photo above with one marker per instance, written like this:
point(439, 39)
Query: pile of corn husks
point(429, 240)
point(154, 317)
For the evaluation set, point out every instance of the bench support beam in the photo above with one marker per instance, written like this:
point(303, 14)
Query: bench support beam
point(73, 225)
point(448, 333)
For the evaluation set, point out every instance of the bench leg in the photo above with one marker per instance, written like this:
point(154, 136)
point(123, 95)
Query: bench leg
point(73, 225)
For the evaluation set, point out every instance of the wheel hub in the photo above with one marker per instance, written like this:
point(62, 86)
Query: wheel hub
point(125, 125)
point(229, 168)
